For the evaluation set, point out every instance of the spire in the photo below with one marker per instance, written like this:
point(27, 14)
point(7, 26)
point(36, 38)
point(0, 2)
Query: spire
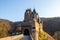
point(34, 11)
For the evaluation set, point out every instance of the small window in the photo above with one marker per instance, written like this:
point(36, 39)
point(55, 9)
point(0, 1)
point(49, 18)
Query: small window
point(33, 27)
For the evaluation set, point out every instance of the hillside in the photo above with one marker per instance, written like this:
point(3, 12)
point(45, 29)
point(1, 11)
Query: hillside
point(51, 25)
point(5, 27)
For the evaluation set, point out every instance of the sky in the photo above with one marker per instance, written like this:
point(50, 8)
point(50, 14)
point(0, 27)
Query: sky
point(14, 10)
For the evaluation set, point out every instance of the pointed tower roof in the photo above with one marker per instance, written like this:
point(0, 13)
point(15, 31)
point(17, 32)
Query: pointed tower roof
point(34, 10)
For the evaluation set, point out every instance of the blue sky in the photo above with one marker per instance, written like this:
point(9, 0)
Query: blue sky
point(13, 10)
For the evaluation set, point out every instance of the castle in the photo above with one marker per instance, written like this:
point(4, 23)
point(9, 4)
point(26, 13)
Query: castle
point(32, 22)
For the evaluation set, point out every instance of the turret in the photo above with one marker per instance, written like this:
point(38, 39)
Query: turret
point(27, 15)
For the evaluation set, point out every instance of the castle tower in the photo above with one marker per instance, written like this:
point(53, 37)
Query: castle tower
point(27, 15)
point(31, 16)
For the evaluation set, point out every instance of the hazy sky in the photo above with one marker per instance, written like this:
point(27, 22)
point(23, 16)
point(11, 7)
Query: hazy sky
point(13, 10)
